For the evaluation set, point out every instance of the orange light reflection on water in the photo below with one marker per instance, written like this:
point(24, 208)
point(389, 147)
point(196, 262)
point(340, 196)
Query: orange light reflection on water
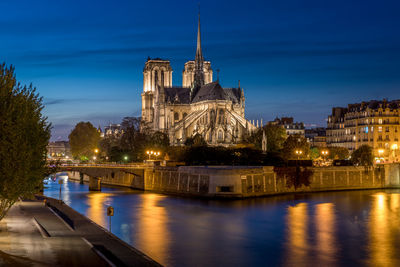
point(297, 246)
point(97, 211)
point(153, 234)
point(383, 228)
point(325, 230)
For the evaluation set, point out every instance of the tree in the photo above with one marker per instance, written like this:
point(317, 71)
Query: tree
point(24, 135)
point(83, 140)
point(314, 153)
point(296, 143)
point(338, 153)
point(363, 156)
point(158, 140)
point(276, 136)
point(132, 123)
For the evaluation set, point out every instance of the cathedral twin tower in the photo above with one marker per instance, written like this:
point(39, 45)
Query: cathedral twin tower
point(200, 106)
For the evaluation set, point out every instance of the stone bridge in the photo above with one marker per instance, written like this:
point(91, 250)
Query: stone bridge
point(122, 175)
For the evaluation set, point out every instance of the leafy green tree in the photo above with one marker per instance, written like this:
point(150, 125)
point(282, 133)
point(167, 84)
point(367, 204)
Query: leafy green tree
point(314, 153)
point(24, 135)
point(363, 156)
point(83, 140)
point(296, 143)
point(338, 153)
point(158, 140)
point(275, 134)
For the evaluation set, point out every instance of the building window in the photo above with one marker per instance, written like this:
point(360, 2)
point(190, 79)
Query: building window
point(220, 135)
point(387, 129)
point(380, 129)
point(380, 121)
point(176, 116)
point(184, 115)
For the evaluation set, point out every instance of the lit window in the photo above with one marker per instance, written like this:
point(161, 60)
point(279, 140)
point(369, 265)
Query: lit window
point(380, 129)
point(380, 121)
point(366, 129)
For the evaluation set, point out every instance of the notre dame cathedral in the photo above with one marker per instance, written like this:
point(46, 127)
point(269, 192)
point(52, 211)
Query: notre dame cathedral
point(199, 106)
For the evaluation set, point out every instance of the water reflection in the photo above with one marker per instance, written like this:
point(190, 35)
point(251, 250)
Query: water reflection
point(153, 236)
point(97, 207)
point(297, 245)
point(323, 229)
point(383, 230)
point(325, 233)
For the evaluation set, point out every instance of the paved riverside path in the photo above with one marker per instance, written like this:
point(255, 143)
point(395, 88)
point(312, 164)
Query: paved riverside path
point(23, 242)
point(32, 234)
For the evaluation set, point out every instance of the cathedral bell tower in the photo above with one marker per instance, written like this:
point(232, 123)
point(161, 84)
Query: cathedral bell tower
point(155, 72)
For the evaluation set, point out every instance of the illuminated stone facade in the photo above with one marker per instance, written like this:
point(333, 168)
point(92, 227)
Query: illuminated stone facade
point(200, 106)
point(373, 123)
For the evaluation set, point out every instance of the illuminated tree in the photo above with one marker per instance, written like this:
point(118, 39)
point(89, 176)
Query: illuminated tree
point(276, 136)
point(83, 140)
point(296, 143)
point(24, 135)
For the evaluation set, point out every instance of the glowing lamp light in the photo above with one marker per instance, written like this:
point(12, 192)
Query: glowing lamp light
point(394, 146)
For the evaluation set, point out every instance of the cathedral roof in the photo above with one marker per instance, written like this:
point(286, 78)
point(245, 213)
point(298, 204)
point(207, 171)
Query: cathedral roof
point(178, 95)
point(233, 94)
point(210, 91)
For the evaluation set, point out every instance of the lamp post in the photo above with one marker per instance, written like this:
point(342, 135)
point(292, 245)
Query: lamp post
point(298, 153)
point(96, 151)
point(324, 154)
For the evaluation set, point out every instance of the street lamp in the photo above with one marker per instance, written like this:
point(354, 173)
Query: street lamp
point(324, 154)
point(298, 153)
point(126, 158)
point(96, 150)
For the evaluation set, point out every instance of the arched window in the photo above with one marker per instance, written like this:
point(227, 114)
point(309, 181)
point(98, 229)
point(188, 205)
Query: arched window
point(220, 135)
point(176, 116)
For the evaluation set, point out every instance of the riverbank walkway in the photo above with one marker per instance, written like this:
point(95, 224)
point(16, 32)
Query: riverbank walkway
point(34, 234)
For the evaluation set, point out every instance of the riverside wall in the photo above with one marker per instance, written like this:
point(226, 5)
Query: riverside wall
point(243, 181)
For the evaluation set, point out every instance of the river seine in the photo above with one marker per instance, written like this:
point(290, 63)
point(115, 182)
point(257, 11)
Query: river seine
point(321, 229)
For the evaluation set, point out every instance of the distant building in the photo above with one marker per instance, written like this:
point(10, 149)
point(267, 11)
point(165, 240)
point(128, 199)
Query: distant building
point(374, 123)
point(316, 137)
point(291, 127)
point(114, 130)
point(59, 150)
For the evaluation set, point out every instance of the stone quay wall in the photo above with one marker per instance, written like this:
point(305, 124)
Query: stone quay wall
point(243, 181)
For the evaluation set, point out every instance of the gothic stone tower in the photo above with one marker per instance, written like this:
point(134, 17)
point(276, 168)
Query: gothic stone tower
point(157, 73)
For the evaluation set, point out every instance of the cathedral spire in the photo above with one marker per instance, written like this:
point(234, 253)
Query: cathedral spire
point(199, 54)
point(198, 62)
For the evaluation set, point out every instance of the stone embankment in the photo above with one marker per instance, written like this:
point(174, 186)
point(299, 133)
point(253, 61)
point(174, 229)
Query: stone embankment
point(110, 248)
point(235, 181)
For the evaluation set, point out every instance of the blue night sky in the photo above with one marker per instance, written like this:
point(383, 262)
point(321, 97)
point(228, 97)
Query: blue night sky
point(293, 58)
